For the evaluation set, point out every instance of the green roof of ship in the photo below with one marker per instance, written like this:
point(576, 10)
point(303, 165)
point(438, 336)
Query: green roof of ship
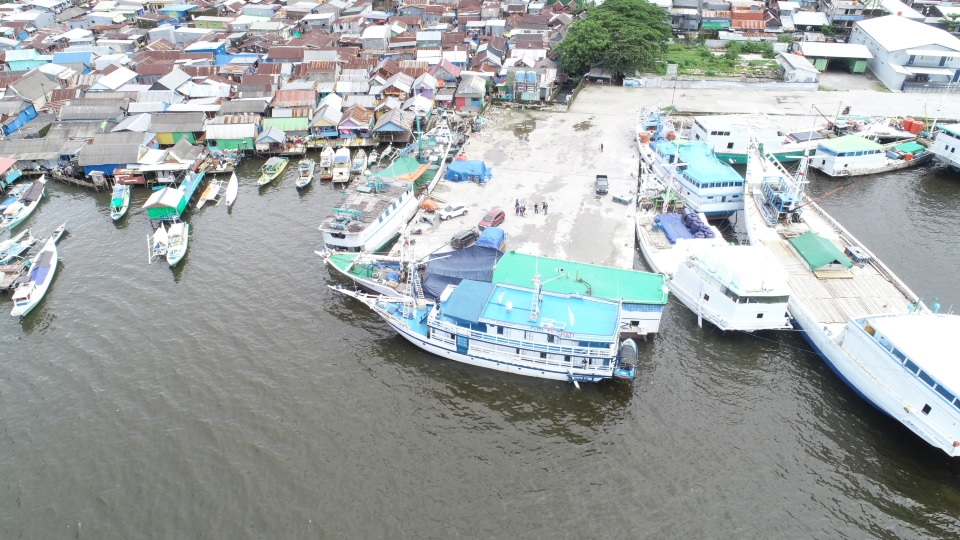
point(850, 143)
point(580, 278)
point(953, 129)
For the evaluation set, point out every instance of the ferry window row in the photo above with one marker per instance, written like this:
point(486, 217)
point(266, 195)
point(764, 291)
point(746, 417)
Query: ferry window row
point(827, 151)
point(721, 133)
point(924, 376)
point(711, 184)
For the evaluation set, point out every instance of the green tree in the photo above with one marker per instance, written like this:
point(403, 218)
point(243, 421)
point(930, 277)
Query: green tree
point(951, 22)
point(583, 46)
point(626, 35)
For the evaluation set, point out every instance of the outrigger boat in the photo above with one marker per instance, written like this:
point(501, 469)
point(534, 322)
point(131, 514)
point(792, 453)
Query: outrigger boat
point(13, 196)
point(17, 212)
point(233, 188)
point(853, 155)
point(119, 201)
point(157, 243)
point(305, 172)
point(12, 248)
point(211, 193)
point(42, 268)
point(272, 169)
point(178, 237)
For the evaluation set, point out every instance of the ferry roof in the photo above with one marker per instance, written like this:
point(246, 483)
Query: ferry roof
point(927, 340)
point(817, 251)
point(850, 143)
point(952, 129)
point(580, 278)
point(475, 302)
point(703, 164)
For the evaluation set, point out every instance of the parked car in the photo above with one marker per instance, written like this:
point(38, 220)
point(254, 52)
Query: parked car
point(452, 211)
point(493, 218)
point(464, 238)
point(602, 185)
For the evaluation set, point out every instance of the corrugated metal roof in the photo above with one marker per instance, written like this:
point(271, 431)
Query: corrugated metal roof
point(231, 131)
point(108, 154)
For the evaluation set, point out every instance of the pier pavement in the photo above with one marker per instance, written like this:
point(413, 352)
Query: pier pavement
point(549, 156)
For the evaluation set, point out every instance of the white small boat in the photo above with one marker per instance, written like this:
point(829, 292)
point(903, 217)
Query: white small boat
point(178, 236)
point(341, 165)
point(305, 172)
point(211, 193)
point(326, 163)
point(233, 187)
point(372, 158)
point(359, 164)
point(17, 212)
point(119, 201)
point(157, 244)
point(43, 267)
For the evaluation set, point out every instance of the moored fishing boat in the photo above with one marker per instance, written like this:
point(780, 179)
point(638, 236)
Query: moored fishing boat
point(708, 185)
point(853, 155)
point(946, 141)
point(869, 327)
point(178, 238)
point(341, 165)
point(526, 331)
point(370, 216)
point(42, 269)
point(157, 243)
point(788, 138)
point(326, 163)
point(119, 201)
point(305, 171)
point(28, 201)
point(272, 169)
point(359, 164)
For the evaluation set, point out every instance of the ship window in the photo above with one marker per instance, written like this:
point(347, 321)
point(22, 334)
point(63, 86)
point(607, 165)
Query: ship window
point(706, 297)
point(926, 409)
point(944, 392)
point(926, 378)
point(899, 355)
point(381, 219)
point(730, 145)
point(453, 336)
point(912, 367)
point(759, 315)
point(956, 403)
point(551, 338)
point(543, 355)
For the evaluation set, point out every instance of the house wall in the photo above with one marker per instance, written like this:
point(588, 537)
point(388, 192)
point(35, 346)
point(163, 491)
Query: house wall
point(233, 144)
point(173, 137)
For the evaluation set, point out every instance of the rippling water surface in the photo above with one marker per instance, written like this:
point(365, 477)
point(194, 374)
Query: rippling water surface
point(237, 397)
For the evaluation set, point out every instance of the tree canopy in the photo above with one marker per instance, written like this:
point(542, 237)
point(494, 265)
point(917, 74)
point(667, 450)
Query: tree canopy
point(625, 35)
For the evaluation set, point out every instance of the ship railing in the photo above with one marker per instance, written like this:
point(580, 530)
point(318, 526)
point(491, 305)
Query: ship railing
point(598, 364)
point(521, 343)
point(851, 240)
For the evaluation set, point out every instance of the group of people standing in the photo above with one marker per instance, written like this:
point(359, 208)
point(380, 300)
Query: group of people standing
point(521, 209)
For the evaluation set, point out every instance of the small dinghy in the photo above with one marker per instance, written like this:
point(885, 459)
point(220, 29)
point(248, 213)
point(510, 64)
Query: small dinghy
point(233, 187)
point(119, 201)
point(178, 236)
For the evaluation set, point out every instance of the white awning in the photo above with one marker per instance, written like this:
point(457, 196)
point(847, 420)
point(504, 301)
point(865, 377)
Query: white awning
point(929, 70)
point(933, 52)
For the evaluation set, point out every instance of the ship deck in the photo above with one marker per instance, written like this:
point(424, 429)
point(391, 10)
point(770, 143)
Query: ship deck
point(831, 296)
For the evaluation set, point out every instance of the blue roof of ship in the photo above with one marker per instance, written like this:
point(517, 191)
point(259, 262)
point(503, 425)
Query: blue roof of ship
point(700, 160)
point(473, 302)
point(468, 300)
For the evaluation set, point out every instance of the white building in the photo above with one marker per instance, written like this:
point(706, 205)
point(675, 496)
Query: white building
point(909, 55)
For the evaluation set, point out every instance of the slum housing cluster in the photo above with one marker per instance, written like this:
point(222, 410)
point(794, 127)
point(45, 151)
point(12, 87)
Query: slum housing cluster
point(99, 86)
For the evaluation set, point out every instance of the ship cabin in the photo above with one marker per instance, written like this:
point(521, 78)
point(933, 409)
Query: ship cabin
point(510, 323)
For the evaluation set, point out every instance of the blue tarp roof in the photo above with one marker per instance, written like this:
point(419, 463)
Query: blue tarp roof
point(468, 171)
point(475, 262)
point(492, 237)
point(73, 57)
point(468, 300)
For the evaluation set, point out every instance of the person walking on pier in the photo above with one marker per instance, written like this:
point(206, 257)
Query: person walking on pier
point(544, 207)
point(536, 209)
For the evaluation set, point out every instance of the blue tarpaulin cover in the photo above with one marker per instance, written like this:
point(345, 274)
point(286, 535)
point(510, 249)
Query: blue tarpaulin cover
point(673, 227)
point(468, 171)
point(468, 301)
point(475, 262)
point(492, 237)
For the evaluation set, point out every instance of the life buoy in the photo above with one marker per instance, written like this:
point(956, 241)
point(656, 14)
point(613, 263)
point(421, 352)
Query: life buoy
point(375, 274)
